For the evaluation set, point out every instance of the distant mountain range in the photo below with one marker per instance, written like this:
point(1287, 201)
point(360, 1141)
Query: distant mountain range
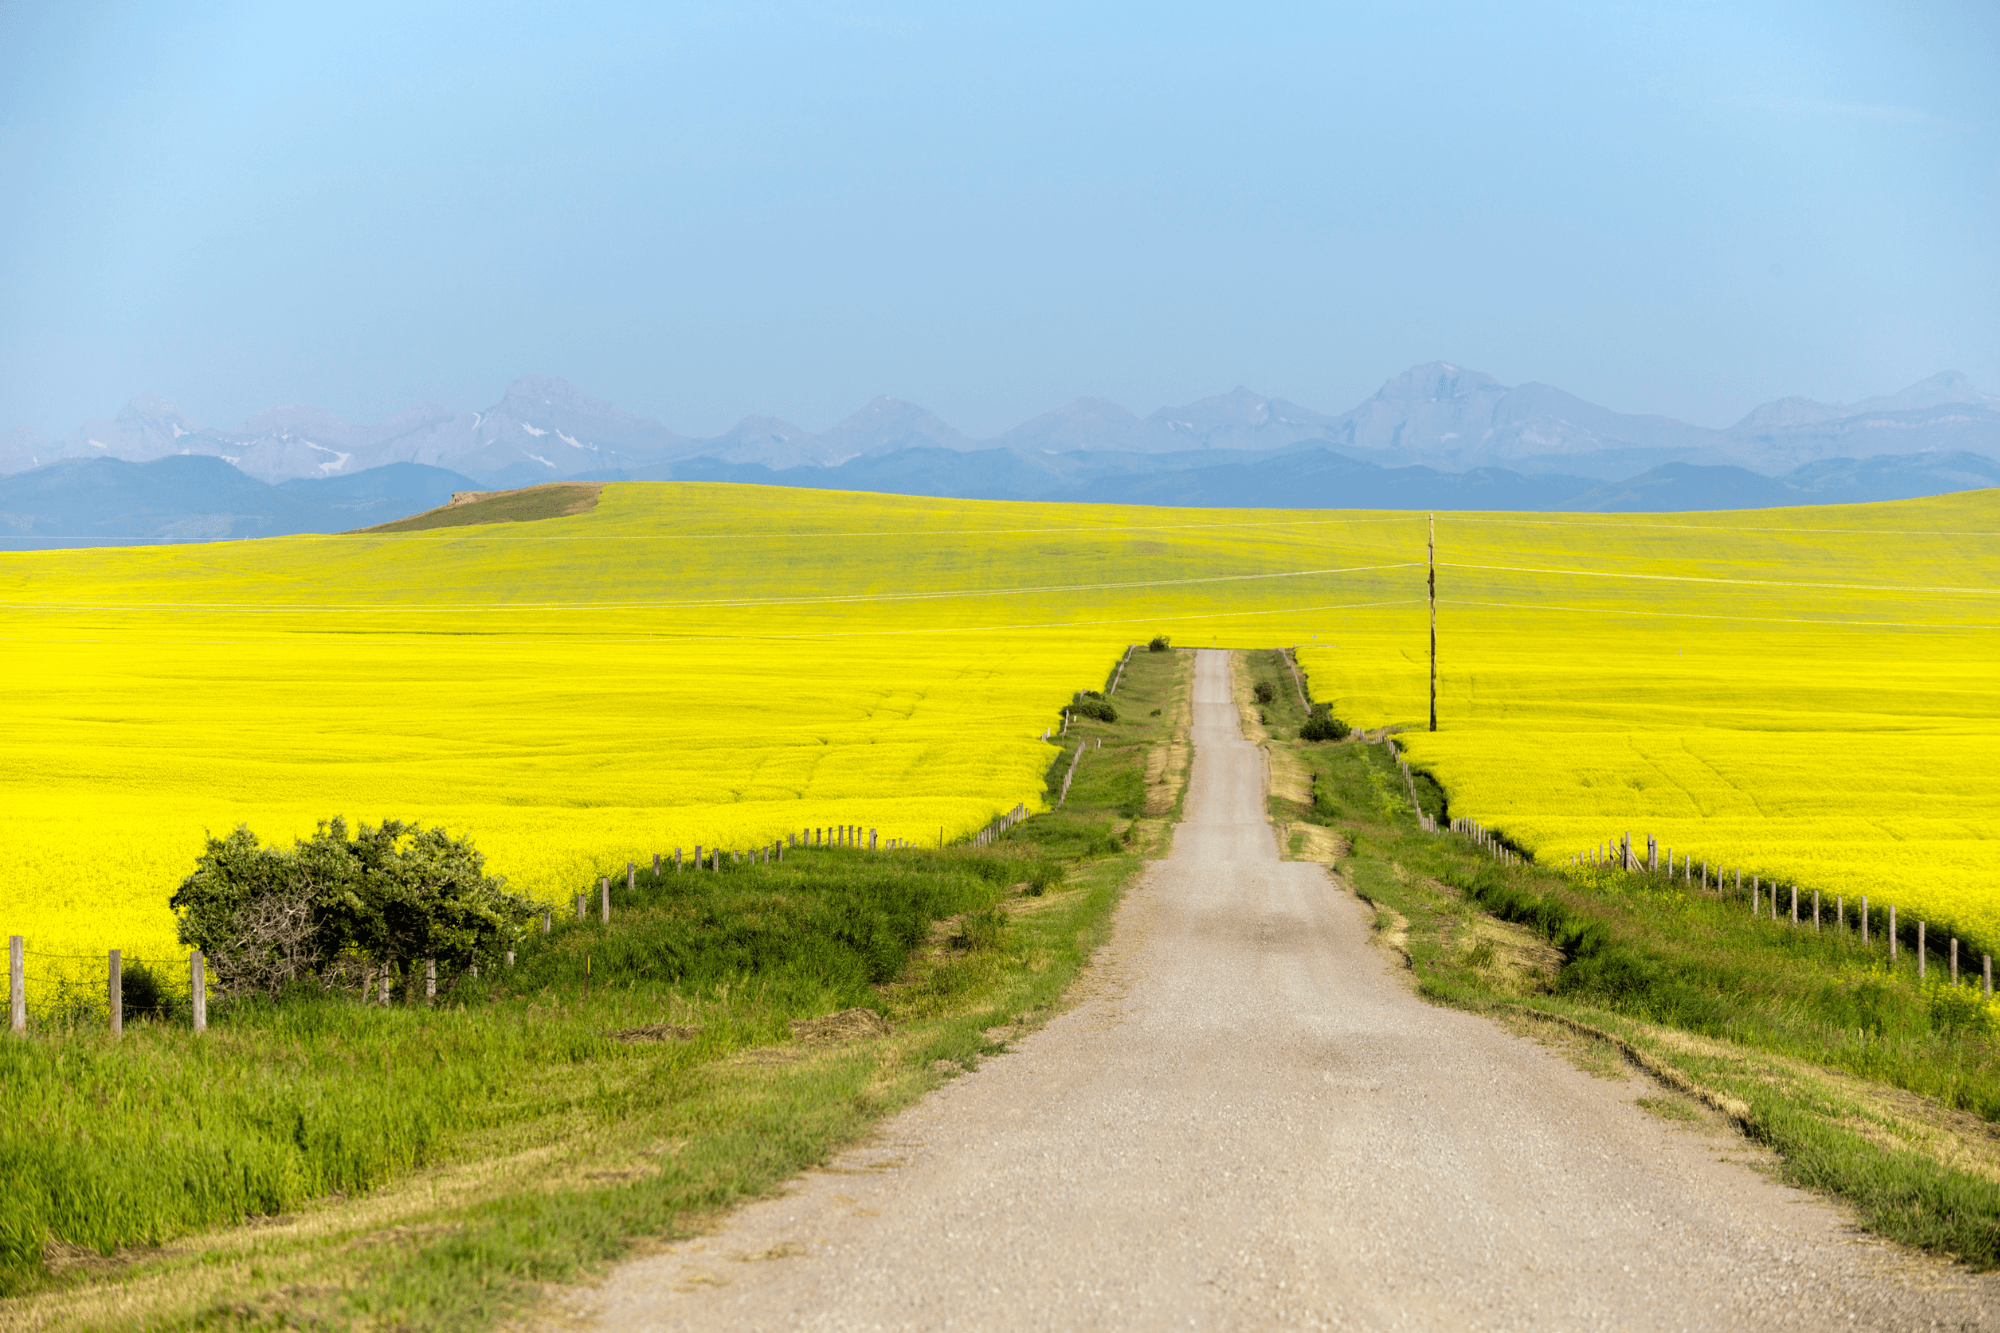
point(1309, 477)
point(192, 498)
point(1436, 436)
point(1439, 416)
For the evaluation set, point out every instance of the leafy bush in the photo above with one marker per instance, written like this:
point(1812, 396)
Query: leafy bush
point(268, 918)
point(141, 992)
point(1323, 727)
point(1160, 644)
point(1265, 694)
point(1101, 709)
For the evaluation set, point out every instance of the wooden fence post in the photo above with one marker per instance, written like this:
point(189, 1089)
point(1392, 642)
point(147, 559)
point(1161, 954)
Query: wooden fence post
point(631, 877)
point(1988, 959)
point(548, 919)
point(1954, 961)
point(1864, 918)
point(677, 860)
point(1922, 960)
point(1795, 904)
point(115, 992)
point(430, 980)
point(198, 989)
point(656, 865)
point(604, 899)
point(17, 986)
point(385, 988)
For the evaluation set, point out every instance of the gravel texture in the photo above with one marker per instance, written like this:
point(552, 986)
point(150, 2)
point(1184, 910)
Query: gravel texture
point(1250, 1121)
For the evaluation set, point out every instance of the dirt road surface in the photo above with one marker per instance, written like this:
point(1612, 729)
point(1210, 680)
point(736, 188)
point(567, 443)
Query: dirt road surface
point(1249, 1121)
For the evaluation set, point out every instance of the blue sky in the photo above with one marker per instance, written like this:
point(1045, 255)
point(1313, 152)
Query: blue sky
point(700, 212)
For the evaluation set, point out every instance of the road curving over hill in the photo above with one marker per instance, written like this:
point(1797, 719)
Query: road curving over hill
point(1249, 1120)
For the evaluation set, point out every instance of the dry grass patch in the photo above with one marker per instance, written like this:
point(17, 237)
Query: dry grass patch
point(1313, 842)
point(554, 499)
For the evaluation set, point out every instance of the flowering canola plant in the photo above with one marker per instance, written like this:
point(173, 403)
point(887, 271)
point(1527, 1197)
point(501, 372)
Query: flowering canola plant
point(696, 663)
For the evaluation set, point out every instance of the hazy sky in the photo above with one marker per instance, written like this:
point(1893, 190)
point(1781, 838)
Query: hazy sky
point(700, 212)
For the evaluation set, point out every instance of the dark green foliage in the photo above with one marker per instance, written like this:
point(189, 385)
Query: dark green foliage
point(1265, 694)
point(1101, 709)
point(1430, 797)
point(1318, 728)
point(1159, 644)
point(269, 918)
point(143, 993)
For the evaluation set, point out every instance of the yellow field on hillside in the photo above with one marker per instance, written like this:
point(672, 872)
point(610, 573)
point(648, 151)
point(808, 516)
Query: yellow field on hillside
point(694, 663)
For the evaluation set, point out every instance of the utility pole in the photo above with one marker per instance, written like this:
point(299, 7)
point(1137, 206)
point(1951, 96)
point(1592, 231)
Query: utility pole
point(1434, 620)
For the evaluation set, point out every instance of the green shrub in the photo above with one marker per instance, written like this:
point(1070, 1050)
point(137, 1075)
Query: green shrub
point(1323, 727)
point(1265, 694)
point(1101, 709)
point(268, 918)
point(1160, 644)
point(142, 992)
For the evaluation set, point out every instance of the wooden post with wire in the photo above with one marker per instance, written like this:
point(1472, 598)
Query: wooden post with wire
point(17, 985)
point(1433, 583)
point(198, 991)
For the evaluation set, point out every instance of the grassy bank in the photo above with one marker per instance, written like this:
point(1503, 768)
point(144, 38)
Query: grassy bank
point(320, 1161)
point(1867, 1084)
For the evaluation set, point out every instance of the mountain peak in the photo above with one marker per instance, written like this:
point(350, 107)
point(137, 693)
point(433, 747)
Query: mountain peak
point(533, 394)
point(1436, 380)
point(1949, 386)
point(153, 407)
point(890, 423)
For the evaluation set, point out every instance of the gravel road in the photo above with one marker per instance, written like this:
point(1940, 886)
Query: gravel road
point(1249, 1121)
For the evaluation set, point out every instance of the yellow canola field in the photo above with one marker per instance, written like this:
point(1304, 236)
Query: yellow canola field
point(686, 664)
point(714, 664)
point(1806, 694)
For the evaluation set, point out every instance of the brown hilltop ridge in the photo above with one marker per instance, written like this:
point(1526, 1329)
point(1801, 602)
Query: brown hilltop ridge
point(551, 499)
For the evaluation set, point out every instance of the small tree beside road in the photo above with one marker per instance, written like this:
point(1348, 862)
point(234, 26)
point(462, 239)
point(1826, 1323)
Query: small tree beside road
point(269, 918)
